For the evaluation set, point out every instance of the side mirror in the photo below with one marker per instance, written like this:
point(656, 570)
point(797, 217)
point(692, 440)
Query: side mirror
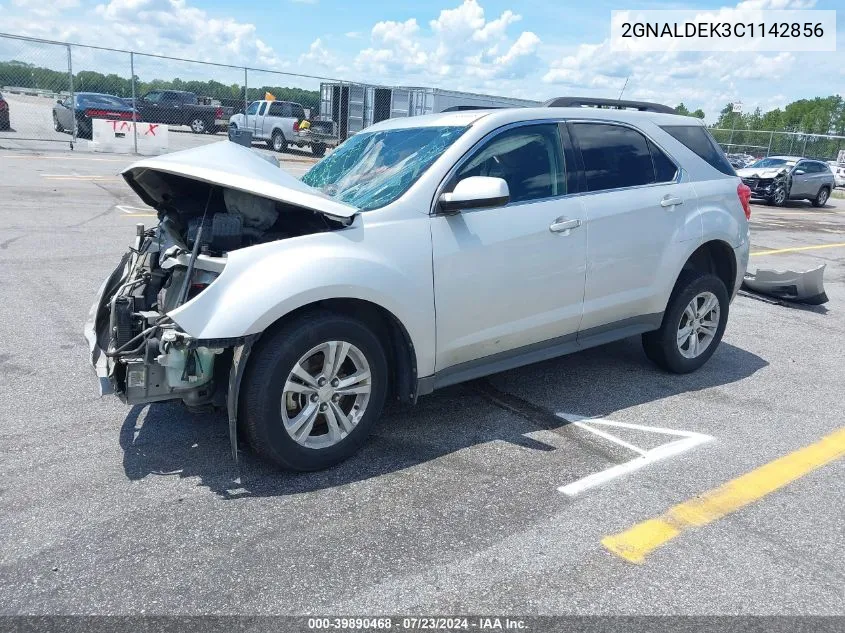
point(475, 192)
point(799, 172)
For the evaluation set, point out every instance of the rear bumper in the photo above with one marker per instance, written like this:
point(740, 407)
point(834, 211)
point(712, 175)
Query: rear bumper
point(306, 136)
point(741, 254)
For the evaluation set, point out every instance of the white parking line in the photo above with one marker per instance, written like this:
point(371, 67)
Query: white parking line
point(689, 439)
point(129, 210)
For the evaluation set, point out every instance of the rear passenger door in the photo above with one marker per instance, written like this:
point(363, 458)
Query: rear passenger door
point(636, 209)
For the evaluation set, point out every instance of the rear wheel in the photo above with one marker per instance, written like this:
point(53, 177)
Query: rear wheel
point(313, 390)
point(693, 324)
point(821, 199)
point(198, 126)
point(318, 149)
point(278, 142)
point(56, 124)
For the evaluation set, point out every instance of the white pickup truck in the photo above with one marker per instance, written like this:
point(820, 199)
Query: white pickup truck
point(276, 123)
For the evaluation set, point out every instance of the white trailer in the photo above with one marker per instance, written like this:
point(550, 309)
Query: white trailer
point(354, 107)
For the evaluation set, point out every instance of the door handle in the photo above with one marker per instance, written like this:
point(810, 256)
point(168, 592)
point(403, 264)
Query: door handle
point(562, 224)
point(671, 201)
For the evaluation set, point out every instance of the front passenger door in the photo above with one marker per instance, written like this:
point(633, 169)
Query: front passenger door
point(510, 277)
point(801, 183)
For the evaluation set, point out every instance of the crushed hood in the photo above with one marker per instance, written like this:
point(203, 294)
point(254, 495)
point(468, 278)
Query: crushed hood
point(227, 164)
point(768, 172)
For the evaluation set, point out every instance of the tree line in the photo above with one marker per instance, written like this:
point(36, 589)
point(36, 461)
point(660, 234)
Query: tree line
point(24, 75)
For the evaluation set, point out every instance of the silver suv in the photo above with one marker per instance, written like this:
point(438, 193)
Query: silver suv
point(777, 179)
point(423, 252)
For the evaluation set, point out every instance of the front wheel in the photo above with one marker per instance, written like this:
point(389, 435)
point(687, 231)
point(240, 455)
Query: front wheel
point(56, 124)
point(693, 324)
point(313, 391)
point(779, 197)
point(821, 199)
point(198, 126)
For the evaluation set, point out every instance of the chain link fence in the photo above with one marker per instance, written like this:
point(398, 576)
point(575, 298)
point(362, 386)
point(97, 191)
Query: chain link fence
point(95, 98)
point(761, 143)
point(61, 93)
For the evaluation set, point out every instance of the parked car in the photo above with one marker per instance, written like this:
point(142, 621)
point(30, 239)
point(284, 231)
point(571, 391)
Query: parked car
point(277, 123)
point(304, 304)
point(177, 107)
point(838, 170)
point(5, 123)
point(777, 179)
point(87, 106)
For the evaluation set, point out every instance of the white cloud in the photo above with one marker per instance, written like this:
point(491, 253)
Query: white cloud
point(461, 46)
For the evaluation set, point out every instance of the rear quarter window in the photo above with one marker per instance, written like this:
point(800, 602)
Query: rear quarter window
point(697, 139)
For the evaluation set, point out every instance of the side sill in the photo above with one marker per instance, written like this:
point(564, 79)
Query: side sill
point(538, 352)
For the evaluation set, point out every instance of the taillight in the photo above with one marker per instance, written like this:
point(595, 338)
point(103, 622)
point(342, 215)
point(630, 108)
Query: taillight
point(743, 191)
point(108, 114)
point(4, 105)
point(218, 114)
point(296, 126)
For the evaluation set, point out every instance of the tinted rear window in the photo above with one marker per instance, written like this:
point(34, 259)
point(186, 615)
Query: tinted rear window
point(698, 139)
point(664, 169)
point(614, 156)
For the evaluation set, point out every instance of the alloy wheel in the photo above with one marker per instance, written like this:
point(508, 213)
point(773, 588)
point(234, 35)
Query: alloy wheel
point(198, 126)
point(326, 394)
point(698, 325)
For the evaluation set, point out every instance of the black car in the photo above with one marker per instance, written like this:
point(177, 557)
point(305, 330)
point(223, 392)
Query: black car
point(87, 106)
point(4, 114)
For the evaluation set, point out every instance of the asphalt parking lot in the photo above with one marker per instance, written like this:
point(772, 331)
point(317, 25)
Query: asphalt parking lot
point(454, 506)
point(32, 118)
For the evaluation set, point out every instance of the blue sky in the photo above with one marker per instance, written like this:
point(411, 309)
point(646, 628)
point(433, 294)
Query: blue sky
point(530, 48)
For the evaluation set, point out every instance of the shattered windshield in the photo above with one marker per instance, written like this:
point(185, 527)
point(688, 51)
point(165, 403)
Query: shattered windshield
point(373, 169)
point(772, 162)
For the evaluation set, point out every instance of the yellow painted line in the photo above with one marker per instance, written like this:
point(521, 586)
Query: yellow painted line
point(637, 542)
point(796, 249)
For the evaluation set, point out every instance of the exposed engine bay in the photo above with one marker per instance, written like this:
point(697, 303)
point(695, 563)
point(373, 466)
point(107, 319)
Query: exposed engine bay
point(147, 357)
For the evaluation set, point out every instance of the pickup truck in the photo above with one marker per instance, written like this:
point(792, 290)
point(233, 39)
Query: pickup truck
point(176, 107)
point(277, 124)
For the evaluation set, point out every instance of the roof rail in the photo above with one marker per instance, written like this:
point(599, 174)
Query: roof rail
point(619, 104)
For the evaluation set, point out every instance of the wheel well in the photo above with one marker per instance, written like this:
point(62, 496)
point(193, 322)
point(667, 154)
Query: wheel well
point(715, 257)
point(401, 358)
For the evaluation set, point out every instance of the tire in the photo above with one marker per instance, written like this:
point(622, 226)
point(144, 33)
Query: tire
point(198, 126)
point(58, 126)
point(272, 400)
point(278, 143)
point(318, 149)
point(233, 127)
point(822, 197)
point(663, 346)
point(778, 198)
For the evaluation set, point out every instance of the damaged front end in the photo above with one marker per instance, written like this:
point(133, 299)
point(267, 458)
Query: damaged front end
point(210, 201)
point(768, 184)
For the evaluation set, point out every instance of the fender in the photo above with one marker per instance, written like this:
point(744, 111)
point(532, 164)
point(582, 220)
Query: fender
point(261, 284)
